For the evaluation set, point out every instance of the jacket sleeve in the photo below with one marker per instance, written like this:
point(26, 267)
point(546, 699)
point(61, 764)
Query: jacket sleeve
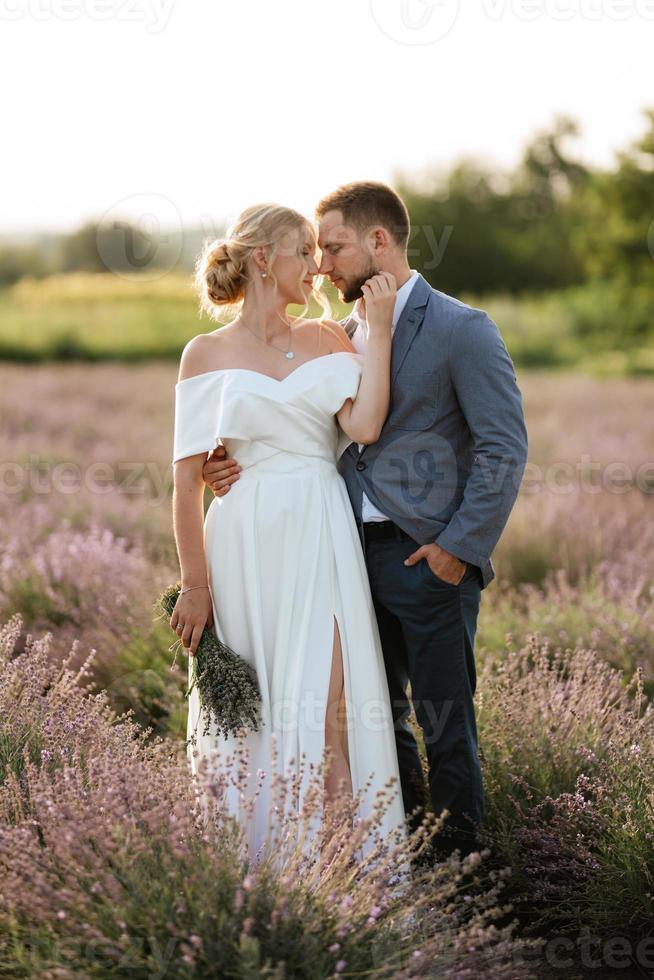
point(486, 387)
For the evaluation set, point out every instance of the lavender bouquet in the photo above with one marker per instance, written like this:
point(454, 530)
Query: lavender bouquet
point(227, 685)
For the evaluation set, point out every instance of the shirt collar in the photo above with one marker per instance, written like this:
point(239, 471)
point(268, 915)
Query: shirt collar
point(401, 299)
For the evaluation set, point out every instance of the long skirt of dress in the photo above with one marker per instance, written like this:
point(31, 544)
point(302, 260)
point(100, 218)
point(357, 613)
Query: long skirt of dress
point(284, 562)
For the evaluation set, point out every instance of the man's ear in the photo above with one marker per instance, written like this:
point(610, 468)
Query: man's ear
point(381, 240)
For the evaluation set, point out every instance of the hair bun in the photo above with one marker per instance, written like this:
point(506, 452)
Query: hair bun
point(220, 273)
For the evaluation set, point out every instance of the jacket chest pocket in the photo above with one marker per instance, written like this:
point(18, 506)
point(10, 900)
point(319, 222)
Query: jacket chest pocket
point(415, 403)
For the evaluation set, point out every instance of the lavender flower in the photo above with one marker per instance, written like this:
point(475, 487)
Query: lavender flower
point(227, 685)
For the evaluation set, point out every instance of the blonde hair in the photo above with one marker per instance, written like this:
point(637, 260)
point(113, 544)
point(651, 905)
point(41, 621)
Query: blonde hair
point(221, 269)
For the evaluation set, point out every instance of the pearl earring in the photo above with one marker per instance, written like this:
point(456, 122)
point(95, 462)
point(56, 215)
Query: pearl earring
point(263, 275)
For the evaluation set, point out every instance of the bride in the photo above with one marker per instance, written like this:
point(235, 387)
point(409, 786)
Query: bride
point(276, 567)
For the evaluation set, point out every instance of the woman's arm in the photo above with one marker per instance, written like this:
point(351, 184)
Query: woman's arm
point(362, 419)
point(188, 519)
point(193, 610)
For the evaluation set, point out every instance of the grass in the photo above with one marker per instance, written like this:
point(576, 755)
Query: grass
point(101, 317)
point(96, 317)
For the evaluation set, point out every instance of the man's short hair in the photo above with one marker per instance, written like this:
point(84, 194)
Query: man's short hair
point(364, 203)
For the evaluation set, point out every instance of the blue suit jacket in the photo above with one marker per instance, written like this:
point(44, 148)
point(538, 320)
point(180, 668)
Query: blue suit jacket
point(448, 464)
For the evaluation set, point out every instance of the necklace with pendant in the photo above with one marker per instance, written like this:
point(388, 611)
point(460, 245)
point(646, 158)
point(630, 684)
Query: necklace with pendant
point(287, 353)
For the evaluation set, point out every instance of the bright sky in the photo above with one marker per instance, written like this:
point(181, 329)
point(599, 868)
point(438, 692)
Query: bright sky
point(194, 110)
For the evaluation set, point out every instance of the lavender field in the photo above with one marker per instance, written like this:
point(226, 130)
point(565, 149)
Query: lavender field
point(106, 865)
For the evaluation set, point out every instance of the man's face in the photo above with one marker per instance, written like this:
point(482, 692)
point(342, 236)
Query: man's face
point(347, 258)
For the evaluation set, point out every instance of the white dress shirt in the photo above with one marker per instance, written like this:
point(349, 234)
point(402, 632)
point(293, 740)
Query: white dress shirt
point(359, 338)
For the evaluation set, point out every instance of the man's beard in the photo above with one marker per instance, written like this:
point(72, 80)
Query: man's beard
point(352, 289)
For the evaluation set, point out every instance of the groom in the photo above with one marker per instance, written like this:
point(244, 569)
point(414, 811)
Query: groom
point(431, 497)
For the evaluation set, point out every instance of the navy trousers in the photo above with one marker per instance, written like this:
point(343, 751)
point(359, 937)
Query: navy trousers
point(427, 629)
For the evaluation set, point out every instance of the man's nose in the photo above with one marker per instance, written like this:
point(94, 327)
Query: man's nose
point(326, 265)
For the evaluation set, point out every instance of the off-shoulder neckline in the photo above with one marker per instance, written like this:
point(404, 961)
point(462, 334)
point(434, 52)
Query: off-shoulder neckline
point(262, 374)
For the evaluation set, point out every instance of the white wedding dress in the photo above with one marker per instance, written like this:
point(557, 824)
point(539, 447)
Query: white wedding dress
point(284, 559)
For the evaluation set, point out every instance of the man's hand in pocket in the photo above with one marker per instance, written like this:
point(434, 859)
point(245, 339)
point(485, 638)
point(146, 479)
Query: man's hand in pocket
point(444, 565)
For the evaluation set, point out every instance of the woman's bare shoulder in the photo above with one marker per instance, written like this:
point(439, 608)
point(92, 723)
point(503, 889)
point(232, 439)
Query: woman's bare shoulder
point(339, 339)
point(331, 336)
point(200, 355)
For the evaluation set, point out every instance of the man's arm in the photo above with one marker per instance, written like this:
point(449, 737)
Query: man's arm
point(486, 387)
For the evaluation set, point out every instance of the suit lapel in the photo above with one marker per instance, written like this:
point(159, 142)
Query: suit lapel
point(407, 325)
point(406, 329)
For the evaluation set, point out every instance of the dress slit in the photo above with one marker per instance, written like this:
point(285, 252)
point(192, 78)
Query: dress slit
point(336, 713)
point(336, 716)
